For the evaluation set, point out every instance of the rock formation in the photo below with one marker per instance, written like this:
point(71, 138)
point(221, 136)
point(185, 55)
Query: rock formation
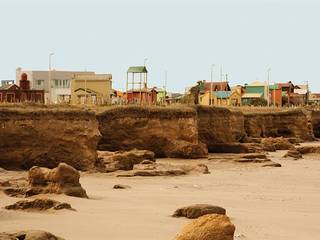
point(208, 227)
point(315, 122)
point(62, 179)
point(168, 132)
point(38, 205)
point(164, 169)
point(273, 144)
point(29, 235)
point(123, 160)
point(198, 210)
point(294, 154)
point(220, 127)
point(46, 137)
point(288, 124)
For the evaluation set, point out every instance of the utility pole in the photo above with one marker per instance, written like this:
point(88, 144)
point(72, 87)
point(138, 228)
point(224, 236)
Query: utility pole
point(211, 79)
point(50, 61)
point(165, 85)
point(268, 87)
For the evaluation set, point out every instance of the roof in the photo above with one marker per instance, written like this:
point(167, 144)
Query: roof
point(222, 94)
point(85, 90)
point(288, 84)
point(256, 84)
point(216, 86)
point(301, 91)
point(8, 86)
point(252, 95)
point(137, 69)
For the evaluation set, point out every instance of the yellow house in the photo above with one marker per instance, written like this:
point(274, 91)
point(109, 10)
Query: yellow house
point(220, 98)
point(91, 89)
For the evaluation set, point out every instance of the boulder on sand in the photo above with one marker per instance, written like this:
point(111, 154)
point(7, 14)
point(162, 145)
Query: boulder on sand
point(39, 205)
point(62, 179)
point(198, 210)
point(208, 227)
point(164, 169)
point(29, 235)
point(123, 160)
point(294, 154)
point(273, 144)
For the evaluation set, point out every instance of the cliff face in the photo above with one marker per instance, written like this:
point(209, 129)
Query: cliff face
point(315, 121)
point(218, 126)
point(47, 137)
point(288, 124)
point(167, 132)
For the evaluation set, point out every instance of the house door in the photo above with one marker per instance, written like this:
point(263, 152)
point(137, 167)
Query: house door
point(10, 97)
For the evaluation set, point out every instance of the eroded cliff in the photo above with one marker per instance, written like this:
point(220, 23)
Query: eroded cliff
point(288, 124)
point(46, 137)
point(168, 132)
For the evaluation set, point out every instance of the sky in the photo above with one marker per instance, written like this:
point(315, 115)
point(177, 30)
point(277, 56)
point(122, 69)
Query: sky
point(183, 37)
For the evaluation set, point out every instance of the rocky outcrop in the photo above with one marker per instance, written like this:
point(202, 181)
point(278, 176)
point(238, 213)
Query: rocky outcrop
point(295, 154)
point(208, 227)
point(46, 137)
point(308, 149)
point(315, 122)
point(29, 235)
point(38, 205)
point(219, 127)
point(63, 179)
point(164, 169)
point(198, 210)
point(168, 132)
point(123, 160)
point(288, 124)
point(273, 144)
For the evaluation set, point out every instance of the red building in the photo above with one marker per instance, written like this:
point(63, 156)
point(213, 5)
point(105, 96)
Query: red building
point(13, 93)
point(143, 96)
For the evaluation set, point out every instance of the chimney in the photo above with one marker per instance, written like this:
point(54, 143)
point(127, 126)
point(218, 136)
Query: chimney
point(24, 83)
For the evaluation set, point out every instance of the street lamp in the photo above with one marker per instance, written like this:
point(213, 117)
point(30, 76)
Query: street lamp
point(211, 79)
point(50, 61)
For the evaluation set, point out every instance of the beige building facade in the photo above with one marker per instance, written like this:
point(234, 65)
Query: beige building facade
point(59, 90)
point(91, 89)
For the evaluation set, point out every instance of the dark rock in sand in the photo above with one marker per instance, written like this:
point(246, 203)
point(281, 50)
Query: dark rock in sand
point(29, 235)
point(121, 186)
point(39, 205)
point(198, 210)
point(273, 164)
point(62, 179)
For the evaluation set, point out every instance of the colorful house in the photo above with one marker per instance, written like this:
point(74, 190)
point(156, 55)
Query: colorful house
point(255, 93)
point(220, 98)
point(137, 96)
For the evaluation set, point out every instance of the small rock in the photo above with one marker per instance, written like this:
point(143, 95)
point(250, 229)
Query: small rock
point(273, 164)
point(294, 154)
point(121, 186)
point(29, 235)
point(198, 210)
point(38, 204)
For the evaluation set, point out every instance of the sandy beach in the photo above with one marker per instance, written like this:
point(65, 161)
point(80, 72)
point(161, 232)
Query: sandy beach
point(263, 203)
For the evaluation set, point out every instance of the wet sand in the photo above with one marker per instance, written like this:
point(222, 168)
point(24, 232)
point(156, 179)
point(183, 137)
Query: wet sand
point(263, 203)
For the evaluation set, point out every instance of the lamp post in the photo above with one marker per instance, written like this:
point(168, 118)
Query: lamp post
point(211, 79)
point(50, 62)
point(268, 87)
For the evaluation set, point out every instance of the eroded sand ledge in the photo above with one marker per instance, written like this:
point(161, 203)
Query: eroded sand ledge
point(48, 136)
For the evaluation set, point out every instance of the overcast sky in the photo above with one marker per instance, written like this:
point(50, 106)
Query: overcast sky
point(183, 37)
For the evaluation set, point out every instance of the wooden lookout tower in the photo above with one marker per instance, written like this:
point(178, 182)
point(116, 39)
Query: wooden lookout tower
point(137, 85)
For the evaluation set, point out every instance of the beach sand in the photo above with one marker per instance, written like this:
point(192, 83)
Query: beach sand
point(264, 203)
